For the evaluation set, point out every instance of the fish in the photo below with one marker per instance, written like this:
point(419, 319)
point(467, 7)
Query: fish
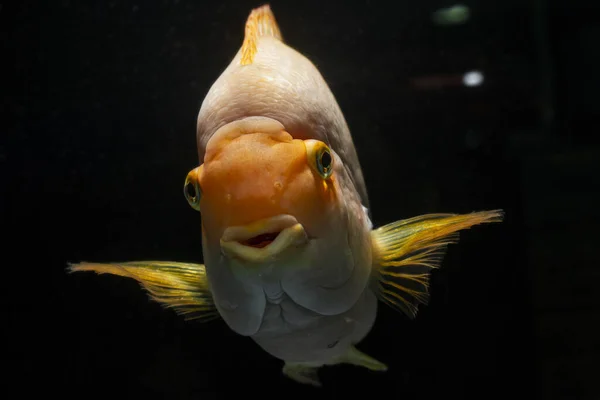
point(291, 256)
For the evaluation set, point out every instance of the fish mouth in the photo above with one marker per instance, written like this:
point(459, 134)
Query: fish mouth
point(264, 239)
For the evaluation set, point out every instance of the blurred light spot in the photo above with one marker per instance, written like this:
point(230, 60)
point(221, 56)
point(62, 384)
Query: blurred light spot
point(455, 15)
point(473, 139)
point(473, 78)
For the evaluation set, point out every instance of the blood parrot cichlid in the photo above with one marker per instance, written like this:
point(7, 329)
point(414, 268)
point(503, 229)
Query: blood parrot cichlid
point(291, 256)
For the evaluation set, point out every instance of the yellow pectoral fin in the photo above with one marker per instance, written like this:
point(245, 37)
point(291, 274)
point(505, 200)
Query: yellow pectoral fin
point(181, 286)
point(405, 252)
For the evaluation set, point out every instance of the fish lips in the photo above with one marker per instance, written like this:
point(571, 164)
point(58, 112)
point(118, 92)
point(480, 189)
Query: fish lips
point(263, 240)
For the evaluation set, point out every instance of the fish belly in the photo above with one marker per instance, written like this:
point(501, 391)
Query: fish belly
point(293, 333)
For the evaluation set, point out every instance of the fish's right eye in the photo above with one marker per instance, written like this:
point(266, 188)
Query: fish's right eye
point(192, 190)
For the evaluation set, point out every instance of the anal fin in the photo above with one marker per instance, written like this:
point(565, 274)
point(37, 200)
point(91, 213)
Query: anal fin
point(302, 373)
point(308, 372)
point(356, 357)
point(405, 252)
point(181, 286)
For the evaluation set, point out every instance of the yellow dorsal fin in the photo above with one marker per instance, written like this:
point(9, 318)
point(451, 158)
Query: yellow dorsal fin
point(261, 22)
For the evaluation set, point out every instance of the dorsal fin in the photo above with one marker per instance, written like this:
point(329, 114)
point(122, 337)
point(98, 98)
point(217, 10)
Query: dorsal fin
point(261, 22)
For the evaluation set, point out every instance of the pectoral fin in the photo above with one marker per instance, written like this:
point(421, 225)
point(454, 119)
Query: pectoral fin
point(181, 286)
point(405, 252)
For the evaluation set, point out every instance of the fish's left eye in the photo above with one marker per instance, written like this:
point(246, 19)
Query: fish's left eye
point(324, 162)
point(192, 190)
point(320, 157)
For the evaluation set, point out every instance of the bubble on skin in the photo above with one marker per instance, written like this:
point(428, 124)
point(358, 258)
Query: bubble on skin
point(228, 305)
point(228, 198)
point(278, 188)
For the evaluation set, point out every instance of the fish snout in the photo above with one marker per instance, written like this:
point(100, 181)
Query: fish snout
point(264, 239)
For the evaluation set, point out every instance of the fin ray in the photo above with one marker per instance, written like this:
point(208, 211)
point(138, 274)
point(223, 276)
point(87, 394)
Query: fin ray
point(406, 251)
point(261, 22)
point(180, 286)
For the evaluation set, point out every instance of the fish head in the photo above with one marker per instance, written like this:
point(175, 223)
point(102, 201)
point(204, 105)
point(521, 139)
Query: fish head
point(265, 196)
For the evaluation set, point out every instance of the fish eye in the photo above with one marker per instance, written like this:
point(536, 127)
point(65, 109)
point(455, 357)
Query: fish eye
point(320, 157)
point(191, 190)
point(324, 162)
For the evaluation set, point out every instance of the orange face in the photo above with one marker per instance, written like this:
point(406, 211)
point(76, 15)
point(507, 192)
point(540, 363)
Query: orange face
point(254, 176)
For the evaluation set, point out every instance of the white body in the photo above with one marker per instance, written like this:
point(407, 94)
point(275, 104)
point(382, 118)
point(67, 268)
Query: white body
point(297, 313)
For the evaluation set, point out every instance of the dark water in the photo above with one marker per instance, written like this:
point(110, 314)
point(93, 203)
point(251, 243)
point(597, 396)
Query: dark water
point(100, 103)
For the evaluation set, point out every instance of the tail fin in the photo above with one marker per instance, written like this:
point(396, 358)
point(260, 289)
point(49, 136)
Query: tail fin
point(261, 22)
point(405, 252)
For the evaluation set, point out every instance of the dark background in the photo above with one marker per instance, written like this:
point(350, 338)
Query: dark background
point(100, 101)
